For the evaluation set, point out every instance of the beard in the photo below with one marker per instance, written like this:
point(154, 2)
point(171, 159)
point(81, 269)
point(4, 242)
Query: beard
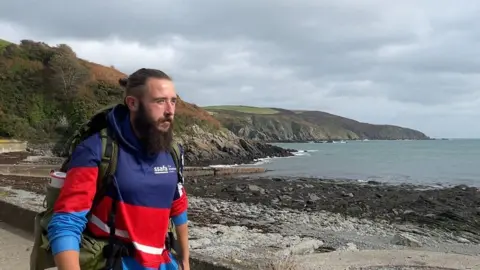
point(153, 139)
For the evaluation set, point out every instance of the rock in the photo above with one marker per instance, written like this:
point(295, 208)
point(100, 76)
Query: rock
point(462, 240)
point(349, 247)
point(41, 149)
point(223, 147)
point(313, 197)
point(255, 188)
point(404, 239)
point(198, 243)
point(302, 248)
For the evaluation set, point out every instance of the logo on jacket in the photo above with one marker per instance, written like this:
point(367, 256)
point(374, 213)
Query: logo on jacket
point(164, 169)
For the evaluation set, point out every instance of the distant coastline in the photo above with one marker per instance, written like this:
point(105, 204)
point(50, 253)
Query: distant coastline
point(282, 125)
point(349, 140)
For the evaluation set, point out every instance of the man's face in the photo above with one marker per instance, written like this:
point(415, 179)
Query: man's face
point(153, 118)
point(159, 103)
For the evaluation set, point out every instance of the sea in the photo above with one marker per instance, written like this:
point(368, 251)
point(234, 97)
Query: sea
point(430, 162)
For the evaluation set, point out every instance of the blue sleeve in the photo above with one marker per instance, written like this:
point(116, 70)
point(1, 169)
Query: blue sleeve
point(76, 196)
point(180, 219)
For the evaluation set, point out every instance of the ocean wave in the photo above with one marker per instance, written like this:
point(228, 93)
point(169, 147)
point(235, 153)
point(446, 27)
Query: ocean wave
point(262, 161)
point(307, 151)
point(256, 162)
point(304, 152)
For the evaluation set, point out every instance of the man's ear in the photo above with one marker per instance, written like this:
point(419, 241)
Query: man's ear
point(132, 103)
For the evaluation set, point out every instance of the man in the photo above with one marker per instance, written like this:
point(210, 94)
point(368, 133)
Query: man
point(144, 193)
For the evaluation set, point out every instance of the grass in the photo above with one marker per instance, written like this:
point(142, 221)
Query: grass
point(3, 44)
point(243, 109)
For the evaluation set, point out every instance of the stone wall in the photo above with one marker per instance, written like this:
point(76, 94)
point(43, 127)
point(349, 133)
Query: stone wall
point(12, 146)
point(44, 170)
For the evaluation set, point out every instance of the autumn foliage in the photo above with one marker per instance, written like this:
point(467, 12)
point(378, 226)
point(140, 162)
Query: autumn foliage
point(102, 73)
point(46, 92)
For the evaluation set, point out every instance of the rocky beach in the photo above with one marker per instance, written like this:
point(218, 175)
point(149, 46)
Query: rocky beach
point(253, 220)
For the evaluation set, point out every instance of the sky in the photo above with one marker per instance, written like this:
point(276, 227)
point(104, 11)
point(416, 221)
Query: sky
point(409, 63)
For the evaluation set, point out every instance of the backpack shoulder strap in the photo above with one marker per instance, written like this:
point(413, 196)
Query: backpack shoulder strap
point(171, 241)
point(107, 166)
point(178, 157)
point(108, 163)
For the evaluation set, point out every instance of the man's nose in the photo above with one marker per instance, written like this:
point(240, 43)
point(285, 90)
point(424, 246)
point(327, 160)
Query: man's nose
point(170, 108)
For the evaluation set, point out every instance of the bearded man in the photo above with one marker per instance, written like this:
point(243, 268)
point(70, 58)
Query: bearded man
point(145, 189)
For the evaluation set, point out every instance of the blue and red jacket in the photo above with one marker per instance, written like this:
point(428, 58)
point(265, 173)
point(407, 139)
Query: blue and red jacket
point(147, 191)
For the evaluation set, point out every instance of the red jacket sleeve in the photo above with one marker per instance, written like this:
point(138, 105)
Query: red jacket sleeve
point(179, 206)
point(75, 198)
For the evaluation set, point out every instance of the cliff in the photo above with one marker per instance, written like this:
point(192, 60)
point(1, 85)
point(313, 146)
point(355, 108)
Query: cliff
point(280, 125)
point(47, 92)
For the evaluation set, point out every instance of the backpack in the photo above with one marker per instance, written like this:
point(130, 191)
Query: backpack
point(91, 257)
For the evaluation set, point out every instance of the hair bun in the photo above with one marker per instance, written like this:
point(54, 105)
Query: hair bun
point(123, 82)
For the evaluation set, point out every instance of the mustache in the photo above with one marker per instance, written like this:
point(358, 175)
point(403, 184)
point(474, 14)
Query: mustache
point(168, 119)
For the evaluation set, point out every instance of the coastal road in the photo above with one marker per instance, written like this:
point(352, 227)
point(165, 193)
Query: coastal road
point(15, 246)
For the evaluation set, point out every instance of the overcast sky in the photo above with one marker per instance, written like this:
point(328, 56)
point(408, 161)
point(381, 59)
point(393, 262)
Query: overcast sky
point(412, 63)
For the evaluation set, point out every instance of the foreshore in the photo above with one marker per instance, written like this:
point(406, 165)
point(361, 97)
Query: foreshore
point(252, 220)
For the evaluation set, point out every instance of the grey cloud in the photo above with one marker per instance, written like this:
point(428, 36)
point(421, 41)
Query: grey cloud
point(294, 54)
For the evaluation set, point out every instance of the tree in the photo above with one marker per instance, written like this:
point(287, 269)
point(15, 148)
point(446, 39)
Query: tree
point(66, 50)
point(69, 74)
point(36, 51)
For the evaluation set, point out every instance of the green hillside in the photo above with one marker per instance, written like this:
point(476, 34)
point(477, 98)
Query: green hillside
point(46, 92)
point(3, 44)
point(275, 125)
